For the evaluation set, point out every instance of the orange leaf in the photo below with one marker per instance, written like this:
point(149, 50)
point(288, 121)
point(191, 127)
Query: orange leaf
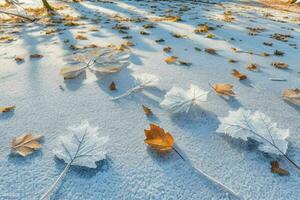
point(238, 74)
point(26, 144)
point(158, 139)
point(280, 65)
point(171, 59)
point(224, 89)
point(292, 95)
point(252, 67)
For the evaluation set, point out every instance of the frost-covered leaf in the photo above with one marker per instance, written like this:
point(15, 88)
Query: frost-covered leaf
point(142, 81)
point(71, 72)
point(245, 124)
point(83, 147)
point(179, 100)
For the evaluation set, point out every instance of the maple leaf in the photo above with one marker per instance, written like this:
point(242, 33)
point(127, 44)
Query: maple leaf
point(83, 147)
point(278, 170)
point(179, 100)
point(26, 144)
point(238, 74)
point(142, 82)
point(224, 89)
point(7, 109)
point(292, 95)
point(158, 139)
point(245, 124)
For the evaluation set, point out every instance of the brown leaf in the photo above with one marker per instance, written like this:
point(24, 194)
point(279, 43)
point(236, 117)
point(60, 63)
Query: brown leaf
point(277, 170)
point(252, 67)
point(292, 95)
point(211, 51)
point(238, 74)
point(81, 37)
point(7, 109)
point(19, 59)
point(112, 86)
point(158, 139)
point(147, 111)
point(171, 59)
point(224, 89)
point(280, 65)
point(167, 49)
point(71, 72)
point(36, 56)
point(26, 144)
point(181, 62)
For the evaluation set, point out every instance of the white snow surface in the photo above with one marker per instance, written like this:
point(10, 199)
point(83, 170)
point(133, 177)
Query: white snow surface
point(132, 170)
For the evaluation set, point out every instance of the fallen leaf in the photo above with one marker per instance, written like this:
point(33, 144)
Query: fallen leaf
point(26, 144)
point(292, 95)
point(36, 56)
point(224, 89)
point(167, 49)
point(147, 111)
point(238, 74)
point(211, 51)
point(112, 86)
point(280, 65)
point(184, 63)
point(19, 59)
point(171, 59)
point(277, 170)
point(81, 37)
point(7, 109)
point(144, 33)
point(71, 72)
point(158, 139)
point(252, 67)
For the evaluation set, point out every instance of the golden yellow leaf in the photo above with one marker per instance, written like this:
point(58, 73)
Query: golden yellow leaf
point(158, 139)
point(171, 59)
point(7, 109)
point(147, 111)
point(238, 74)
point(277, 170)
point(292, 95)
point(71, 72)
point(224, 89)
point(26, 144)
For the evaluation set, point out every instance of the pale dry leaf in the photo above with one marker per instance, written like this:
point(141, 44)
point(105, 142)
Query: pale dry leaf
point(224, 89)
point(71, 72)
point(26, 144)
point(292, 95)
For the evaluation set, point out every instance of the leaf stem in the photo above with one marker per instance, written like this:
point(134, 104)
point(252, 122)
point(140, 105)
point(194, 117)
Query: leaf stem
point(53, 186)
point(213, 180)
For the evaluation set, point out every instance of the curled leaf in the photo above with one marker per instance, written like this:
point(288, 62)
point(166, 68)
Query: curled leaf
point(158, 139)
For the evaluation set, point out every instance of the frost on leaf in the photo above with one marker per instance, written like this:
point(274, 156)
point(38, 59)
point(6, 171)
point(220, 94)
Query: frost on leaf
point(245, 124)
point(142, 82)
point(178, 100)
point(83, 147)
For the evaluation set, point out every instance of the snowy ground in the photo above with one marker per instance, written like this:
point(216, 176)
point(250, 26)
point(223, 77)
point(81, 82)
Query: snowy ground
point(133, 171)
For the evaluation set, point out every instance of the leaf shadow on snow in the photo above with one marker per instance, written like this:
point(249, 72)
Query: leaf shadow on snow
point(75, 84)
point(296, 107)
point(6, 116)
point(16, 158)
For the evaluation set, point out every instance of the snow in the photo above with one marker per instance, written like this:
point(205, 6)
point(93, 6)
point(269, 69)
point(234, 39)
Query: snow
point(132, 170)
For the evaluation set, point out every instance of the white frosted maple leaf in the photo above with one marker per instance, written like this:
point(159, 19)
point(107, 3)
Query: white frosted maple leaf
point(245, 124)
point(178, 100)
point(142, 81)
point(83, 147)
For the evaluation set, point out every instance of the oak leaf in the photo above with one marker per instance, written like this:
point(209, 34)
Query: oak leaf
point(26, 144)
point(292, 95)
point(224, 89)
point(238, 74)
point(158, 139)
